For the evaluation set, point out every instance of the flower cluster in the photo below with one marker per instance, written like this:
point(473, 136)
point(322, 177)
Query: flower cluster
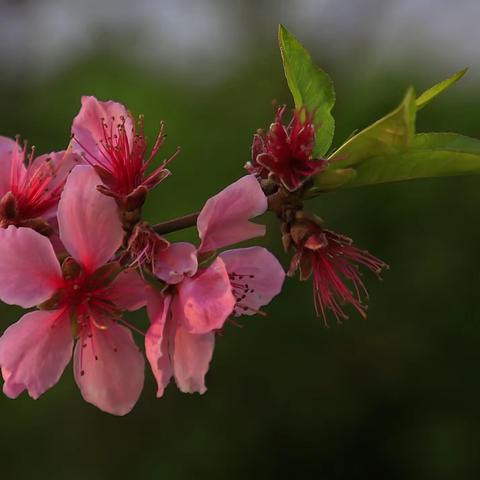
point(74, 245)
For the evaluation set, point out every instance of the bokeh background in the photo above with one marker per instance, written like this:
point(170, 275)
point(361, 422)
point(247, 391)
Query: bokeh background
point(393, 397)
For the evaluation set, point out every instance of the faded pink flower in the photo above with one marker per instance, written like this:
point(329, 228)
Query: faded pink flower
point(334, 262)
point(287, 151)
point(181, 337)
point(30, 187)
point(184, 319)
point(85, 295)
point(106, 136)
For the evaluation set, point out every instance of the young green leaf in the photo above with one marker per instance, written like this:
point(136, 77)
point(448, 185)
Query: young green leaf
point(331, 180)
point(310, 86)
point(427, 96)
point(430, 155)
point(391, 134)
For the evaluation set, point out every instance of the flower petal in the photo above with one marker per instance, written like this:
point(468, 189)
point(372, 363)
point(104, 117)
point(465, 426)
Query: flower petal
point(128, 291)
point(7, 149)
point(191, 358)
point(29, 270)
point(10, 388)
point(59, 165)
point(256, 277)
point(206, 300)
point(157, 338)
point(87, 127)
point(179, 260)
point(109, 369)
point(34, 352)
point(49, 172)
point(224, 220)
point(88, 221)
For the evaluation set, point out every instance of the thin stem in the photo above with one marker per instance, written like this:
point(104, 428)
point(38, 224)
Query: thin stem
point(178, 223)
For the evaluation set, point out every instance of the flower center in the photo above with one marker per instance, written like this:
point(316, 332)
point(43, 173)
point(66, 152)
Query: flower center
point(87, 300)
point(35, 187)
point(122, 160)
point(86, 296)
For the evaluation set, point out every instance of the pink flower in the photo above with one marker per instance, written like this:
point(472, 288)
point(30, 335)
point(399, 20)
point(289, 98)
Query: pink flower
point(334, 262)
point(104, 133)
point(185, 317)
point(287, 151)
point(85, 295)
point(181, 337)
point(30, 187)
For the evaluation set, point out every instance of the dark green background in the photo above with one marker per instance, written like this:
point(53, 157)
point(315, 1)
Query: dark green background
point(395, 396)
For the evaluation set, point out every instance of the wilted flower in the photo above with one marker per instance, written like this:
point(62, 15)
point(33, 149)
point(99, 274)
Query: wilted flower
point(334, 262)
point(286, 152)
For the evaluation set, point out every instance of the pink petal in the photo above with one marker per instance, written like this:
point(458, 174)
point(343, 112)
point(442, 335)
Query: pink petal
point(156, 339)
point(224, 220)
point(128, 291)
point(179, 260)
point(256, 277)
point(206, 300)
point(109, 369)
point(29, 270)
point(191, 358)
point(88, 221)
point(60, 165)
point(87, 127)
point(57, 165)
point(10, 388)
point(34, 352)
point(7, 147)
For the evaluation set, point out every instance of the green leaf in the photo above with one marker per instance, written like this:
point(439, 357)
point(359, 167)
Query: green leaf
point(331, 180)
point(391, 134)
point(310, 87)
point(389, 150)
point(431, 155)
point(427, 96)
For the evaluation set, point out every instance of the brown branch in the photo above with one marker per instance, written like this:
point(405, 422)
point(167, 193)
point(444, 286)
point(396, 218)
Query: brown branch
point(179, 223)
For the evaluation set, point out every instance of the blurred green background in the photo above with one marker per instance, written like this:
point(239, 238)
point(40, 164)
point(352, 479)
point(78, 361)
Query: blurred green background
point(395, 396)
